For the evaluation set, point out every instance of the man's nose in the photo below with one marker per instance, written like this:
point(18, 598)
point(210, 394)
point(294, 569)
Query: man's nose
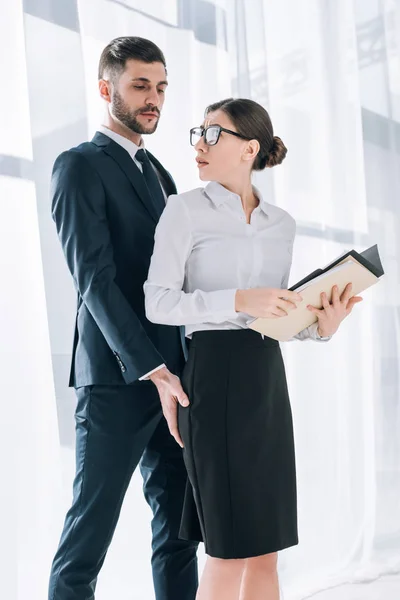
point(153, 98)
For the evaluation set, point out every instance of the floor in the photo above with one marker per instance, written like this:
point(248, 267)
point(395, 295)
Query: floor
point(127, 571)
point(387, 588)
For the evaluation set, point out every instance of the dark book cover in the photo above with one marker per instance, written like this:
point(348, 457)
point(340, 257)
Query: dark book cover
point(369, 259)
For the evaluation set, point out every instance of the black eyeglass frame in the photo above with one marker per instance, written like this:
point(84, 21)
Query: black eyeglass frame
point(220, 129)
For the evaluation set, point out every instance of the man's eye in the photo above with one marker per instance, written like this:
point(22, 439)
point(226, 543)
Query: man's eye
point(139, 87)
point(161, 91)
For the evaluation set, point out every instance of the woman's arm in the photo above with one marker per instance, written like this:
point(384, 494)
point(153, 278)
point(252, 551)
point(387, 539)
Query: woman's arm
point(165, 300)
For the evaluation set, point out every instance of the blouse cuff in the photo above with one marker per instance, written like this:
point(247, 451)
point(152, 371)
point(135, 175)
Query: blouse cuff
point(314, 335)
point(223, 304)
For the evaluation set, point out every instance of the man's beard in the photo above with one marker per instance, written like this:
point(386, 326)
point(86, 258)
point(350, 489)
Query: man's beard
point(128, 117)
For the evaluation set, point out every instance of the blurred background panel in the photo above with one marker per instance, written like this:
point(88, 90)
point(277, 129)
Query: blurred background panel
point(328, 71)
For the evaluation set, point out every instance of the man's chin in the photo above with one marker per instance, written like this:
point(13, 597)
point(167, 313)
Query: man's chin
point(146, 130)
point(150, 129)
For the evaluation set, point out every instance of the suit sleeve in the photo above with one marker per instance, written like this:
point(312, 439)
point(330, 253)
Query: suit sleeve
point(79, 211)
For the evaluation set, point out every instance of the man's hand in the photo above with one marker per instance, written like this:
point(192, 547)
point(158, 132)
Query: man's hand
point(171, 393)
point(332, 314)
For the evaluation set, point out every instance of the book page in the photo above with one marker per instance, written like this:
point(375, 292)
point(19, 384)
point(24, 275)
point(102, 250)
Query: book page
point(345, 265)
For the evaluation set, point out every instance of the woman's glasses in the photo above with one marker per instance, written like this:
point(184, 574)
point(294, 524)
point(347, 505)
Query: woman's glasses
point(211, 134)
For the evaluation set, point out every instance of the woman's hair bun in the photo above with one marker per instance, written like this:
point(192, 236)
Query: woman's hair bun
point(277, 153)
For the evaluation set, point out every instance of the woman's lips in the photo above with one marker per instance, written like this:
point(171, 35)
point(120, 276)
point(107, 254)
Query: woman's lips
point(201, 163)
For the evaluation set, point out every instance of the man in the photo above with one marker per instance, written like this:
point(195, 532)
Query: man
point(107, 196)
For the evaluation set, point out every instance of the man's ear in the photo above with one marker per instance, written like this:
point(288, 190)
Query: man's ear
point(105, 89)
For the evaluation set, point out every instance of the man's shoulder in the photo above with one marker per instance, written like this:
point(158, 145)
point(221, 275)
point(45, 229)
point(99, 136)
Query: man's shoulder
point(83, 150)
point(81, 157)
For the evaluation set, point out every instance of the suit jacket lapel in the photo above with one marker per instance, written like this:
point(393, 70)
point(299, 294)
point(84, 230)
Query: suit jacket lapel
point(125, 162)
point(168, 182)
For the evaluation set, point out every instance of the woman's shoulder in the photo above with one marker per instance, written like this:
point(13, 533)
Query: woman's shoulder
point(188, 201)
point(275, 213)
point(190, 195)
point(280, 214)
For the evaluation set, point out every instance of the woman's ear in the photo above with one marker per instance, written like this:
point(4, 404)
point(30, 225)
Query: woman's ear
point(251, 150)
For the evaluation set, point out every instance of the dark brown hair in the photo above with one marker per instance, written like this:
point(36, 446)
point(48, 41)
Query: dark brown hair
point(252, 121)
point(118, 51)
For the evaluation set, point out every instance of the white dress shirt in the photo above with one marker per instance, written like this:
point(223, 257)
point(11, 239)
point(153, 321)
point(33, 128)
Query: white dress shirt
point(132, 148)
point(204, 251)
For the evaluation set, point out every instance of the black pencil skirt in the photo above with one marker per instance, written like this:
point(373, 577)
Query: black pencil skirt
point(239, 452)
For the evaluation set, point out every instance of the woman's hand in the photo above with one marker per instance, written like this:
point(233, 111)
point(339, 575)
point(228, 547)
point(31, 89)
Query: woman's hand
point(332, 314)
point(266, 302)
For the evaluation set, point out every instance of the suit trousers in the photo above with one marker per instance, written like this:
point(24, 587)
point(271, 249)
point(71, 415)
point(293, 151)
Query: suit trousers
point(116, 428)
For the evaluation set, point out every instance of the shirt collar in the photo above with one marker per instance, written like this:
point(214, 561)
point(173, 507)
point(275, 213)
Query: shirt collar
point(218, 194)
point(128, 145)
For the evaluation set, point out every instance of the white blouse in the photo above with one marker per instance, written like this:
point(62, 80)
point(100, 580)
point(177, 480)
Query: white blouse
point(204, 251)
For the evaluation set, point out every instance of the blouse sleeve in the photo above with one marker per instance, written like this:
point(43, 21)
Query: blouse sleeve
point(165, 300)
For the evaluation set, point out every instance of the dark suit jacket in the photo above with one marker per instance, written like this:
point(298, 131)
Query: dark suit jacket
point(106, 221)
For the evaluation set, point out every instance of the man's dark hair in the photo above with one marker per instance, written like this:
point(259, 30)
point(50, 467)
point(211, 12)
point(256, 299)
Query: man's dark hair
point(118, 51)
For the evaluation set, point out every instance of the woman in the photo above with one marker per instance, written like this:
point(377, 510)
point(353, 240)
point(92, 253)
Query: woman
point(222, 256)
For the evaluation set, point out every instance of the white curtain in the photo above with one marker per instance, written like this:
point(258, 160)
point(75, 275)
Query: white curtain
point(328, 71)
point(30, 486)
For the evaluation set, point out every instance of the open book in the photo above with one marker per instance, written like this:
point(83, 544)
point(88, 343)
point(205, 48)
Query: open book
point(362, 270)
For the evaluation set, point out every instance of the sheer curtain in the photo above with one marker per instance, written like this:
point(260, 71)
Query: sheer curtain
point(329, 73)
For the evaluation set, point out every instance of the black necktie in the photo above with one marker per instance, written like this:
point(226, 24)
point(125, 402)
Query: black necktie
point(152, 181)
